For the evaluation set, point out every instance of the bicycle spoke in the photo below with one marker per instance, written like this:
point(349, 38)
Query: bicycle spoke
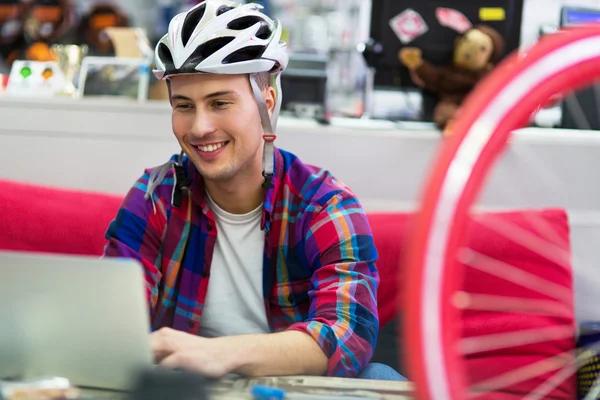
point(479, 344)
point(565, 360)
point(561, 257)
point(513, 274)
point(522, 374)
point(577, 112)
point(543, 227)
point(539, 168)
point(597, 98)
point(506, 304)
point(565, 372)
point(594, 390)
point(528, 240)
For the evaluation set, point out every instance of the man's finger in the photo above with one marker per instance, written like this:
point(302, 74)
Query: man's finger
point(160, 345)
point(175, 360)
point(190, 362)
point(159, 356)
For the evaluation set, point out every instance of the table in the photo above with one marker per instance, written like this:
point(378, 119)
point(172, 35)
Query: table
point(320, 387)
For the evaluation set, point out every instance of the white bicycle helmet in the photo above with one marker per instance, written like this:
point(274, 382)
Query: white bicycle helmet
point(226, 37)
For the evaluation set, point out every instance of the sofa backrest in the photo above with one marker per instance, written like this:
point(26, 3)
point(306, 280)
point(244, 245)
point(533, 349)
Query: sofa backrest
point(41, 219)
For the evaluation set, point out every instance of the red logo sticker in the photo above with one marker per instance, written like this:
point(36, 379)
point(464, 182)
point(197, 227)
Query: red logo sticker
point(408, 25)
point(453, 19)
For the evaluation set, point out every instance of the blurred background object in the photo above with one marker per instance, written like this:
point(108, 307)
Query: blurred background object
point(48, 21)
point(417, 23)
point(93, 25)
point(45, 22)
point(304, 86)
point(344, 54)
point(11, 29)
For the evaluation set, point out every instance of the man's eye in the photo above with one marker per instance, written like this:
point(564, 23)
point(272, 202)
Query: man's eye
point(183, 107)
point(220, 104)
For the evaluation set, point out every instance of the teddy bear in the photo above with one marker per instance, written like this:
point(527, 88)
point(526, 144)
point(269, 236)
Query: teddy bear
point(476, 52)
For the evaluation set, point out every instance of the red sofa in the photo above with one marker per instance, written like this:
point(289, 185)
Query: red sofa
point(41, 219)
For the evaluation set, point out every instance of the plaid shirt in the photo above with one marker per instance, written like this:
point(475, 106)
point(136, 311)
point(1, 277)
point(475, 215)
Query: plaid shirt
point(319, 258)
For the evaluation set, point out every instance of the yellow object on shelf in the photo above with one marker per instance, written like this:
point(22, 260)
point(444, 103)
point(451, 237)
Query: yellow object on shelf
point(492, 14)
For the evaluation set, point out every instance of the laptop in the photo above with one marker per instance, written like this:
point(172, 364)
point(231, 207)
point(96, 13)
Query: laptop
point(74, 317)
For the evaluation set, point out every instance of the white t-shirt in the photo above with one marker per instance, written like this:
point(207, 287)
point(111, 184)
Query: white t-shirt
point(234, 302)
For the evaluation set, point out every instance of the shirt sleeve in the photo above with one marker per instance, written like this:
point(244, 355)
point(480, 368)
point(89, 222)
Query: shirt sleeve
point(343, 316)
point(137, 232)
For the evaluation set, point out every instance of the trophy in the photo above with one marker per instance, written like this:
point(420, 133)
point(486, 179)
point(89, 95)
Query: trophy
point(69, 58)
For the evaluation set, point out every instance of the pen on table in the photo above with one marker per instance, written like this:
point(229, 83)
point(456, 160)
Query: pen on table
point(272, 393)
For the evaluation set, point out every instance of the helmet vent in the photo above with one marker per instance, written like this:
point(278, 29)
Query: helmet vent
point(191, 22)
point(206, 50)
point(245, 54)
point(246, 22)
point(164, 54)
point(224, 9)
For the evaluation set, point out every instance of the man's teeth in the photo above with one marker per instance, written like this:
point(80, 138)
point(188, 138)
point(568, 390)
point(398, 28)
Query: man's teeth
point(211, 147)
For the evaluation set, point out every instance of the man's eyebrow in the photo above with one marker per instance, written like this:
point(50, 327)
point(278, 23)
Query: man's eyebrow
point(207, 97)
point(180, 97)
point(220, 94)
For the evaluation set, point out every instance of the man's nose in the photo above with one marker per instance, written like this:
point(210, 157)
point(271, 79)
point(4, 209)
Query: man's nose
point(203, 124)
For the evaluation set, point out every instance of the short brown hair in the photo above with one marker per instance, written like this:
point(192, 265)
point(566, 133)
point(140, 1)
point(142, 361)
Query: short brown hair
point(263, 80)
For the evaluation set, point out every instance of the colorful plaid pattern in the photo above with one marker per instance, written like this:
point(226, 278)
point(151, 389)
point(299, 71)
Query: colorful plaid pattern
point(319, 258)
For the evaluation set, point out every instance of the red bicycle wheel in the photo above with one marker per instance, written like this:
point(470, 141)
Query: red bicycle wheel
point(503, 102)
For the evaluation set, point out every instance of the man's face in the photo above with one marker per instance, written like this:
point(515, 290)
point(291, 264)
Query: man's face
point(217, 124)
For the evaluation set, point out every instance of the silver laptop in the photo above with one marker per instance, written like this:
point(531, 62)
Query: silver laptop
point(80, 318)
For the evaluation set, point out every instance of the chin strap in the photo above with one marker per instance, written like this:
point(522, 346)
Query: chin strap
point(181, 182)
point(269, 124)
point(158, 174)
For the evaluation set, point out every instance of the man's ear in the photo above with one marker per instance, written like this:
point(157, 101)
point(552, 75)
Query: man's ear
point(269, 94)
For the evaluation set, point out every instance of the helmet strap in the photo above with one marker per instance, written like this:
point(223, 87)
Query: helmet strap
point(268, 123)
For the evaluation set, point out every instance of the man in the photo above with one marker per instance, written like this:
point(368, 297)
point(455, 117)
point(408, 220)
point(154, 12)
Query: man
point(255, 263)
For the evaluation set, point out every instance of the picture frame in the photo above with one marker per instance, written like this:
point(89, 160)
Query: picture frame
point(114, 77)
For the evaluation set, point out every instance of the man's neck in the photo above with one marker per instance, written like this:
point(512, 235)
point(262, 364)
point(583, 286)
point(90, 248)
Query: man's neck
point(237, 197)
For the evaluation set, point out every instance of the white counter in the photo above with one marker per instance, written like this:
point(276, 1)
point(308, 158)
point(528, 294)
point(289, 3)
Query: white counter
point(104, 145)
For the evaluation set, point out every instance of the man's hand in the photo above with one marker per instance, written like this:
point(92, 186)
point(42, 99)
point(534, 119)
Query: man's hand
point(411, 57)
point(175, 349)
point(283, 353)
